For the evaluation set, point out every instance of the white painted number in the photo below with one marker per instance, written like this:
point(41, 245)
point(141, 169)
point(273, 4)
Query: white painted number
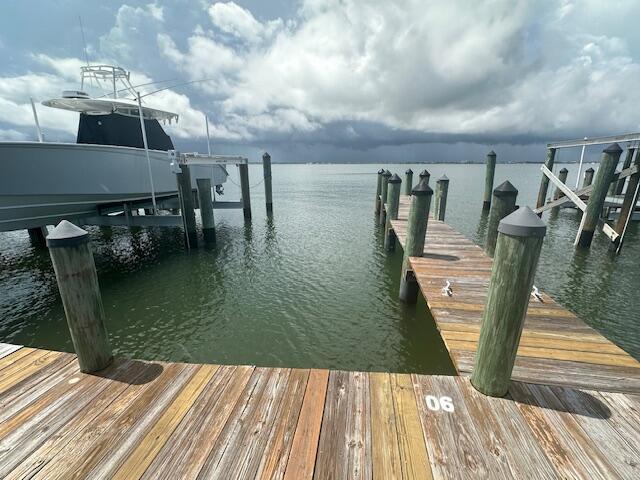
point(442, 403)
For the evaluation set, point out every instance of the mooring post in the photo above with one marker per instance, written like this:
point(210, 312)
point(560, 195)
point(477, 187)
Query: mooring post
point(488, 179)
point(393, 202)
point(627, 163)
point(629, 203)
point(266, 169)
point(514, 267)
point(503, 204)
point(185, 194)
point(382, 218)
point(604, 176)
point(544, 183)
point(243, 168)
point(442, 189)
point(78, 285)
point(414, 245)
point(562, 176)
point(379, 192)
point(408, 181)
point(205, 200)
point(588, 177)
point(38, 236)
point(424, 175)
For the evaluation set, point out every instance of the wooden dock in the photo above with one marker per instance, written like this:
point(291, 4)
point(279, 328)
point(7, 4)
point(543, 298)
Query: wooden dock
point(556, 348)
point(140, 419)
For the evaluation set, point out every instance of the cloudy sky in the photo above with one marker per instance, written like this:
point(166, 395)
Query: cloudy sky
point(340, 80)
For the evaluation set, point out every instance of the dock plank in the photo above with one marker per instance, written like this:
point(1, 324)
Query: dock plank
point(385, 451)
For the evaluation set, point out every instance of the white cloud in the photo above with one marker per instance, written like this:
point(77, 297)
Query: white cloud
point(10, 135)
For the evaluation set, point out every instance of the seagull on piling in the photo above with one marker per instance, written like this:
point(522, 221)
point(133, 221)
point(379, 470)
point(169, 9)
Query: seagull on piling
point(446, 290)
point(536, 294)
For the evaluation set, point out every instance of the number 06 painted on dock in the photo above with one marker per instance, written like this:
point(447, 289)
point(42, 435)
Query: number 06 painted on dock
point(442, 403)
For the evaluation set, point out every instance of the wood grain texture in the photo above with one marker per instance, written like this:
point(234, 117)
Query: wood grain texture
point(384, 442)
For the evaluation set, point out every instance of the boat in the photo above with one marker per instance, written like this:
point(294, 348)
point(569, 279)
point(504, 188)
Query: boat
point(115, 160)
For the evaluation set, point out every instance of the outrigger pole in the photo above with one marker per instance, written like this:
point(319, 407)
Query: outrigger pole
point(146, 151)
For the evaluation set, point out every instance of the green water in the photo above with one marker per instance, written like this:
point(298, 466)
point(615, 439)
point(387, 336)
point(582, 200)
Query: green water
point(310, 287)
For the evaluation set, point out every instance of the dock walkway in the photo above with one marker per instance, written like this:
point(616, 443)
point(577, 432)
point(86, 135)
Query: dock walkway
point(139, 419)
point(556, 348)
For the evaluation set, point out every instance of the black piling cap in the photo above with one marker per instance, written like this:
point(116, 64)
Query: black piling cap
point(443, 178)
point(613, 148)
point(491, 154)
point(66, 234)
point(266, 155)
point(422, 188)
point(381, 171)
point(590, 169)
point(409, 172)
point(425, 173)
point(505, 189)
point(522, 223)
point(395, 179)
point(564, 170)
point(386, 173)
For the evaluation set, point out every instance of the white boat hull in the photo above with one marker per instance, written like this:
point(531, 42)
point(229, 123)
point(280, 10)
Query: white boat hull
point(42, 183)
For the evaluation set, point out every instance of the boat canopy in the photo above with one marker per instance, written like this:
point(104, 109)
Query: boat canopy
point(106, 106)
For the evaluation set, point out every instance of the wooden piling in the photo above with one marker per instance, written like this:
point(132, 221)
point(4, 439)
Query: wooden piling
point(244, 187)
point(382, 217)
point(488, 179)
point(604, 176)
point(185, 194)
point(78, 285)
point(503, 204)
point(393, 202)
point(379, 192)
point(627, 163)
point(588, 177)
point(544, 183)
point(442, 189)
point(206, 209)
point(414, 244)
point(562, 176)
point(517, 252)
point(424, 175)
point(629, 203)
point(408, 181)
point(38, 236)
point(266, 169)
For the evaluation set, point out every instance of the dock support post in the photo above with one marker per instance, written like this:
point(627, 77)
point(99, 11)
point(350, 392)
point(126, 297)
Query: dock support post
point(414, 245)
point(382, 218)
point(503, 204)
point(562, 176)
point(514, 267)
point(393, 202)
point(378, 192)
point(442, 189)
point(588, 177)
point(544, 183)
point(408, 181)
point(38, 236)
point(206, 209)
point(78, 285)
point(424, 175)
point(628, 204)
point(610, 157)
point(488, 179)
point(266, 168)
point(627, 163)
point(244, 187)
point(185, 194)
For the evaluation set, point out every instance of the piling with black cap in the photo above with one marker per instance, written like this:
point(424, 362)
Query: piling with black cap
point(610, 157)
point(378, 192)
point(414, 245)
point(77, 279)
point(205, 200)
point(520, 237)
point(488, 179)
point(588, 177)
point(442, 189)
point(243, 170)
point(185, 195)
point(424, 175)
point(382, 218)
point(266, 170)
point(503, 204)
point(393, 202)
point(408, 181)
point(544, 183)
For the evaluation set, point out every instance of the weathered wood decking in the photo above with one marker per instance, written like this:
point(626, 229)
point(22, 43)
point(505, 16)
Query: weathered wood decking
point(160, 420)
point(557, 348)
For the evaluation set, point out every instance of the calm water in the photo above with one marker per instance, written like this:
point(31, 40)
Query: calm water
point(310, 287)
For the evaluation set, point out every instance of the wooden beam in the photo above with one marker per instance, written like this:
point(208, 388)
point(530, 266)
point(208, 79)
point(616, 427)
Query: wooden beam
point(566, 190)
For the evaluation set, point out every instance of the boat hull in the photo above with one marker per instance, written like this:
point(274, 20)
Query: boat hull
point(43, 183)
